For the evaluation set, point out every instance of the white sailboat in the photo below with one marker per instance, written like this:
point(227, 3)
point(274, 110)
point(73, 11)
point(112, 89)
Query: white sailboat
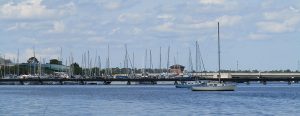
point(189, 84)
point(215, 86)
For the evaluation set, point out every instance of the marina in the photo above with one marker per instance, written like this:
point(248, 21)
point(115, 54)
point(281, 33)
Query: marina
point(149, 58)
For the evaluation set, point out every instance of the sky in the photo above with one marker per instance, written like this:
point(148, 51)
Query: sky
point(255, 34)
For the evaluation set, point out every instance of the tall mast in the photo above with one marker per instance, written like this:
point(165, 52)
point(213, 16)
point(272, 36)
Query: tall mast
point(160, 60)
point(18, 66)
point(133, 66)
point(126, 60)
point(88, 63)
point(168, 61)
point(146, 56)
point(108, 61)
point(95, 64)
point(197, 64)
point(4, 70)
point(60, 59)
point(151, 65)
point(190, 61)
point(33, 61)
point(219, 53)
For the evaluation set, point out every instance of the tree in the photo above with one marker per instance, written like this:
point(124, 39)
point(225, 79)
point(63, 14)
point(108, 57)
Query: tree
point(76, 68)
point(32, 60)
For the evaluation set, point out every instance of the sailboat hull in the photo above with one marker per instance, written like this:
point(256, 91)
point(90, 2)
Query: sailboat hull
point(188, 84)
point(185, 86)
point(214, 88)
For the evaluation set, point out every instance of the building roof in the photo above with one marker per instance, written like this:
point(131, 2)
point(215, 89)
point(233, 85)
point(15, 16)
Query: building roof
point(176, 66)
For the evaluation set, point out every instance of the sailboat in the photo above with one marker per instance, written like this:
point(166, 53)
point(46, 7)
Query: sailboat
point(215, 86)
point(189, 84)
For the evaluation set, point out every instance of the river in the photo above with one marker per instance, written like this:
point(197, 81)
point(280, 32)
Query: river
point(147, 100)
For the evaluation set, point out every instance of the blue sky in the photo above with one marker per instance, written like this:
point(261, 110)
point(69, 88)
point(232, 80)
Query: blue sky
point(261, 35)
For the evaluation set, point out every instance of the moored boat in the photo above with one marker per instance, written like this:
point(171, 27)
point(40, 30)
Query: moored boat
point(213, 86)
point(187, 84)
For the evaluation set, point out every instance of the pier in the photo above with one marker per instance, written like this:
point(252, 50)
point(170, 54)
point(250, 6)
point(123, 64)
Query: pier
point(233, 77)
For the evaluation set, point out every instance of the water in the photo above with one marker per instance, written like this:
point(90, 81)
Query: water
point(157, 100)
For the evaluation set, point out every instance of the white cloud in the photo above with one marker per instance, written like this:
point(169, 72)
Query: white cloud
point(97, 39)
point(293, 9)
point(58, 27)
point(69, 8)
point(282, 14)
point(28, 41)
point(256, 36)
point(274, 27)
point(267, 3)
point(42, 53)
point(112, 5)
point(188, 26)
point(30, 9)
point(224, 21)
point(17, 26)
point(229, 20)
point(113, 31)
point(204, 24)
point(165, 27)
point(211, 1)
point(285, 20)
point(166, 17)
point(25, 9)
point(132, 17)
point(136, 31)
point(217, 6)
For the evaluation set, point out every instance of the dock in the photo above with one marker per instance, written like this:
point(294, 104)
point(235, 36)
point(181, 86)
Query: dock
point(231, 77)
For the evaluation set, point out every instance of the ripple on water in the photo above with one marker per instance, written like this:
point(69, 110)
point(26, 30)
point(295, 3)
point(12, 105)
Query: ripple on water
point(148, 100)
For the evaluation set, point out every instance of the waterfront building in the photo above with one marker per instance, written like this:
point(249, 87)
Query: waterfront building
point(177, 69)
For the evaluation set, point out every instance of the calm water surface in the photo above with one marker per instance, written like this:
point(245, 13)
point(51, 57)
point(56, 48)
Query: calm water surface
point(142, 100)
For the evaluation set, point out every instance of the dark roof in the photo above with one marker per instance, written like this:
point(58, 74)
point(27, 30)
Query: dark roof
point(175, 66)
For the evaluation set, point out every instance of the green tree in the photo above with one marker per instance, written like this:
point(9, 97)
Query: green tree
point(32, 60)
point(76, 68)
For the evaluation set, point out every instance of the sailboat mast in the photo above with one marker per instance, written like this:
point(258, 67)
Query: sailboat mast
point(33, 61)
point(219, 54)
point(126, 61)
point(160, 60)
point(18, 65)
point(133, 66)
point(197, 64)
point(168, 61)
